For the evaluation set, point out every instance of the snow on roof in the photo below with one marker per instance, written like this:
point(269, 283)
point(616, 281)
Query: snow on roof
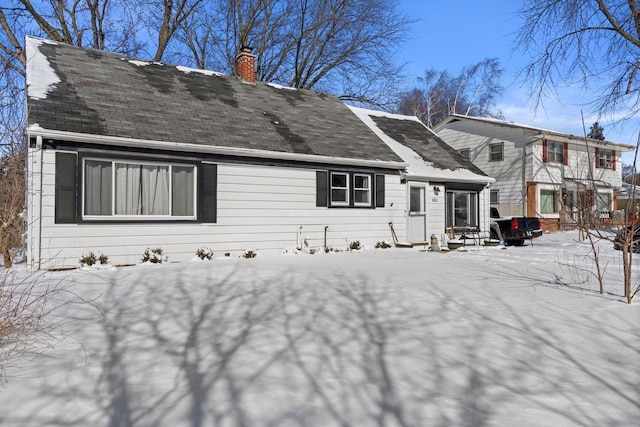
point(41, 77)
point(417, 166)
point(188, 70)
point(277, 86)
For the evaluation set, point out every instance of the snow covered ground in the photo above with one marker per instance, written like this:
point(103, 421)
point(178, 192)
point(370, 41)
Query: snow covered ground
point(393, 337)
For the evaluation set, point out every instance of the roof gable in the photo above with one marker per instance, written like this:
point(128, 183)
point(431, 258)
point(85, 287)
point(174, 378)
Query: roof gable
point(426, 153)
point(99, 93)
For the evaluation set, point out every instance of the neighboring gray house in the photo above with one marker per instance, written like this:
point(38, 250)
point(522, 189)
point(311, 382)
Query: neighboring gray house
point(539, 172)
point(126, 154)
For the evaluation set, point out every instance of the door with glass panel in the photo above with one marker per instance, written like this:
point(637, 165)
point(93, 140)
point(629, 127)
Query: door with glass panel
point(417, 221)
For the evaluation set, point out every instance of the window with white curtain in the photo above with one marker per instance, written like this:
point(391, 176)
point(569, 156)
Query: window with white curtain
point(132, 189)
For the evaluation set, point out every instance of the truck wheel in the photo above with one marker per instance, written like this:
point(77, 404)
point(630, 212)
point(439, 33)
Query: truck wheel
point(493, 235)
point(519, 242)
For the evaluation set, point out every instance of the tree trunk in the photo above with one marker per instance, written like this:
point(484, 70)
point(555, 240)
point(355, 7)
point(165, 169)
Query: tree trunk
point(5, 249)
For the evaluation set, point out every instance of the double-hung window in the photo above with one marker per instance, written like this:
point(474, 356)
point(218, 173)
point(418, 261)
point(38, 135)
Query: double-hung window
point(605, 159)
point(555, 152)
point(362, 189)
point(349, 189)
point(138, 190)
point(339, 189)
point(496, 152)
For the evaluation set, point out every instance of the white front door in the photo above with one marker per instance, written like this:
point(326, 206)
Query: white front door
point(417, 213)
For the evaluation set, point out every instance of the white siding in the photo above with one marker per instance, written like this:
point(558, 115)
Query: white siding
point(259, 207)
point(581, 166)
point(507, 173)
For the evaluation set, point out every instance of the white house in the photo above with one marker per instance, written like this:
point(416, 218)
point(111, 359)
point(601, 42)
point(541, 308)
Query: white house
point(539, 172)
point(445, 190)
point(125, 155)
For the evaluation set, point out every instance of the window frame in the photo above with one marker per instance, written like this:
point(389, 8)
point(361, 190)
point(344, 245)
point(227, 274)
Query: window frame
point(493, 156)
point(345, 189)
point(555, 149)
point(605, 159)
point(368, 190)
point(599, 199)
point(113, 216)
point(557, 206)
point(491, 197)
point(374, 191)
point(473, 217)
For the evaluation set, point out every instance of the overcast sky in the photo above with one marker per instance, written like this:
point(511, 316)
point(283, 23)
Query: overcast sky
point(452, 34)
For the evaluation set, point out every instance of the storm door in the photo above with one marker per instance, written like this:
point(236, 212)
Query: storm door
point(417, 221)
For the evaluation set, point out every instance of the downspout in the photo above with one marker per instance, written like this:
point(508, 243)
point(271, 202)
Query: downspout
point(524, 176)
point(39, 147)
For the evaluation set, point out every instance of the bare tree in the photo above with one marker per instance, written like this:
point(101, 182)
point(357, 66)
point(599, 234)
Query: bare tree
point(12, 188)
point(344, 47)
point(473, 92)
point(593, 43)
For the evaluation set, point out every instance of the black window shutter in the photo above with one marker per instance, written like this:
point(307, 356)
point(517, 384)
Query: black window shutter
point(379, 191)
point(209, 192)
point(322, 190)
point(66, 188)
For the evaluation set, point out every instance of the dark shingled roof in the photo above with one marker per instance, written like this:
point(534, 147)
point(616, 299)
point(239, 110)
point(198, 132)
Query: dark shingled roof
point(105, 94)
point(427, 144)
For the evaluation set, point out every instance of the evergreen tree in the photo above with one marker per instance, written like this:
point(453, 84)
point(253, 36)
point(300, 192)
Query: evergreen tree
point(596, 132)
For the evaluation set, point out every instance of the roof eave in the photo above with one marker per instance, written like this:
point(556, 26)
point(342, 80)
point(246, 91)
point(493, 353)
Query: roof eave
point(198, 148)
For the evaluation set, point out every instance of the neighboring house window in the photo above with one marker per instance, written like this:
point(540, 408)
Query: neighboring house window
point(496, 152)
point(462, 209)
point(555, 152)
point(362, 189)
point(132, 189)
point(465, 152)
point(349, 189)
point(603, 202)
point(339, 188)
point(494, 197)
point(549, 202)
point(605, 159)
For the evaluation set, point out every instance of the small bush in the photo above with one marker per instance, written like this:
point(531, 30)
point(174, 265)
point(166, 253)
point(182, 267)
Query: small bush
point(249, 254)
point(383, 245)
point(154, 256)
point(355, 245)
point(227, 254)
point(91, 259)
point(204, 253)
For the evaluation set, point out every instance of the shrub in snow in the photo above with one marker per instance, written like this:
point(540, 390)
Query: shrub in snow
point(290, 250)
point(249, 253)
point(355, 245)
point(383, 245)
point(154, 256)
point(204, 253)
point(91, 259)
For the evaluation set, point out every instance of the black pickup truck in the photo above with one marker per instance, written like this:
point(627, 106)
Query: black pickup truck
point(514, 230)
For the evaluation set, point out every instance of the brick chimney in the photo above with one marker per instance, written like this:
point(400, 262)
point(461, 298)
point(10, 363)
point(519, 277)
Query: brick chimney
point(246, 65)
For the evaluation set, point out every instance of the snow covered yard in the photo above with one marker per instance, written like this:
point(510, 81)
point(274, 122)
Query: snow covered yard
point(393, 337)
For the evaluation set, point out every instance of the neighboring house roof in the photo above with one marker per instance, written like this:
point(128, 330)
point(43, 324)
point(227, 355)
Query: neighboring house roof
point(627, 191)
point(76, 91)
point(425, 153)
point(531, 131)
